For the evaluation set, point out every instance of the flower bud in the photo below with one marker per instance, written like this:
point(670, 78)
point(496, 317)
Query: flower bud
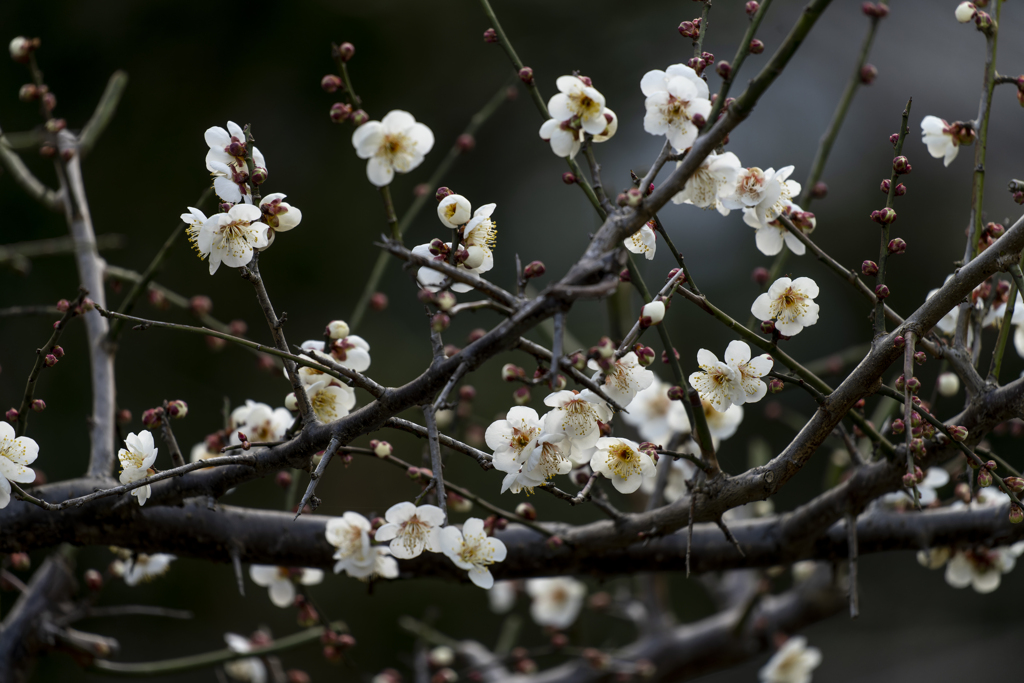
point(644, 355)
point(21, 48)
point(869, 268)
point(1015, 484)
point(291, 403)
point(901, 165)
point(569, 179)
point(920, 357)
point(881, 292)
point(50, 360)
point(965, 12)
point(490, 36)
point(768, 326)
point(440, 322)
point(1016, 514)
point(11, 415)
point(28, 93)
point(868, 73)
point(359, 117)
point(984, 478)
point(123, 416)
point(379, 301)
point(913, 385)
point(909, 480)
point(445, 300)
point(949, 384)
point(898, 426)
point(688, 29)
point(465, 142)
point(346, 51)
point(751, 8)
point(526, 75)
point(331, 83)
point(756, 47)
point(676, 393)
point(723, 69)
point(624, 275)
point(283, 480)
point(337, 329)
point(38, 405)
point(652, 314)
point(521, 396)
point(526, 511)
point(901, 383)
point(760, 276)
point(820, 190)
point(340, 112)
point(958, 433)
point(884, 187)
point(511, 372)
point(983, 21)
point(897, 246)
point(178, 409)
point(533, 269)
point(634, 197)
point(259, 175)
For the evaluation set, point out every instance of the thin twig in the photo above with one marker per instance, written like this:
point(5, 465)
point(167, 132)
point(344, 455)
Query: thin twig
point(104, 112)
point(883, 249)
point(314, 478)
point(435, 460)
point(851, 542)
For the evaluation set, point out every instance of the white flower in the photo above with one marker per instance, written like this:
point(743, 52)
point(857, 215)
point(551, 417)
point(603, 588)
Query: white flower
point(513, 439)
point(193, 221)
point(982, 568)
point(395, 143)
point(281, 581)
point(556, 601)
point(279, 215)
point(454, 210)
point(652, 313)
point(965, 12)
point(251, 669)
point(350, 534)
point(551, 456)
point(478, 241)
point(384, 566)
point(734, 382)
point(16, 454)
point(624, 378)
point(330, 401)
point(502, 596)
point(674, 97)
point(353, 352)
point(777, 194)
point(949, 383)
point(609, 130)
point(231, 237)
point(226, 161)
point(771, 236)
point(564, 140)
point(790, 303)
point(622, 461)
point(576, 415)
point(656, 417)
point(411, 529)
point(143, 567)
point(938, 135)
point(577, 99)
point(259, 422)
point(136, 461)
point(793, 663)
point(722, 425)
point(947, 325)
point(470, 548)
point(643, 241)
point(750, 189)
point(715, 178)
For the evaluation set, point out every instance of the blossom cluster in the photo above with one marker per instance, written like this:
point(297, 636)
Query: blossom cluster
point(576, 111)
point(476, 234)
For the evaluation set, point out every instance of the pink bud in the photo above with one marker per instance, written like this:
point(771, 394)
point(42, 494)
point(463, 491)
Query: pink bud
point(331, 83)
point(490, 36)
point(526, 75)
point(756, 47)
point(346, 51)
point(869, 268)
point(868, 73)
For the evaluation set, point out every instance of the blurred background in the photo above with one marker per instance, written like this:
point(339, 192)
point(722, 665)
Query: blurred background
point(197, 64)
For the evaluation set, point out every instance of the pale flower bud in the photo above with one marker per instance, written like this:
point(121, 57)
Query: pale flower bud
point(381, 449)
point(21, 48)
point(949, 384)
point(652, 314)
point(445, 300)
point(964, 12)
point(454, 210)
point(337, 329)
point(291, 403)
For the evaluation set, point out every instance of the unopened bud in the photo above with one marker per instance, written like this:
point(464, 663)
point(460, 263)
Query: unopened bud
point(634, 197)
point(724, 69)
point(958, 433)
point(751, 8)
point(50, 360)
point(901, 165)
point(768, 326)
point(909, 480)
point(526, 75)
point(440, 322)
point(898, 426)
point(913, 385)
point(526, 511)
point(465, 142)
point(359, 117)
point(949, 384)
point(38, 405)
point(381, 449)
point(283, 480)
point(644, 355)
point(868, 73)
point(897, 246)
point(177, 408)
point(533, 269)
point(652, 314)
point(11, 415)
point(984, 478)
point(331, 83)
point(445, 300)
point(775, 385)
point(490, 36)
point(569, 179)
point(1016, 514)
point(760, 276)
point(676, 393)
point(756, 47)
point(820, 190)
point(511, 372)
point(869, 268)
point(881, 292)
point(920, 357)
point(1015, 484)
point(346, 51)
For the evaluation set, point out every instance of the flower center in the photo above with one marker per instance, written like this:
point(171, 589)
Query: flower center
point(478, 552)
point(579, 416)
point(414, 532)
point(521, 438)
point(323, 403)
point(584, 105)
point(751, 184)
point(393, 145)
point(12, 450)
point(484, 235)
point(623, 461)
point(790, 305)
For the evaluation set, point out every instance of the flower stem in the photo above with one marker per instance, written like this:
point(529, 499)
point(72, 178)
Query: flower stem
point(389, 213)
point(883, 250)
point(741, 54)
point(350, 92)
point(981, 146)
point(698, 45)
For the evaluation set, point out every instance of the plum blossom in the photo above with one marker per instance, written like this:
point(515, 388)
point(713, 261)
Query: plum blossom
point(674, 97)
point(623, 378)
point(656, 417)
point(16, 454)
point(142, 568)
point(231, 238)
point(470, 548)
point(612, 122)
point(556, 601)
point(578, 99)
point(941, 138)
point(502, 597)
point(790, 303)
point(193, 221)
point(778, 193)
point(513, 439)
point(136, 460)
point(947, 324)
point(982, 568)
point(474, 255)
point(279, 215)
point(411, 529)
point(280, 581)
point(226, 162)
point(396, 143)
point(251, 669)
point(454, 210)
point(622, 461)
point(771, 236)
point(352, 352)
point(564, 140)
point(350, 534)
point(259, 422)
point(733, 382)
point(749, 191)
point(713, 179)
point(549, 457)
point(329, 399)
point(576, 414)
point(793, 663)
point(643, 241)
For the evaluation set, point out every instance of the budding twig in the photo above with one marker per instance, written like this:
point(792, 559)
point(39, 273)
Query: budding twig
point(741, 54)
point(168, 433)
point(883, 251)
point(435, 460)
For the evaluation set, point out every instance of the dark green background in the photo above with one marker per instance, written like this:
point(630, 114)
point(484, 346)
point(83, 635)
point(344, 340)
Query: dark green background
point(193, 65)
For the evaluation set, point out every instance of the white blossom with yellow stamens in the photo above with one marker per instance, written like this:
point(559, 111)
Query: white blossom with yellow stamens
point(411, 529)
point(231, 238)
point(470, 548)
point(576, 414)
point(280, 581)
point(513, 439)
point(16, 454)
point(790, 303)
point(136, 460)
point(396, 143)
point(549, 457)
point(624, 378)
point(713, 179)
point(622, 461)
point(643, 241)
point(330, 401)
